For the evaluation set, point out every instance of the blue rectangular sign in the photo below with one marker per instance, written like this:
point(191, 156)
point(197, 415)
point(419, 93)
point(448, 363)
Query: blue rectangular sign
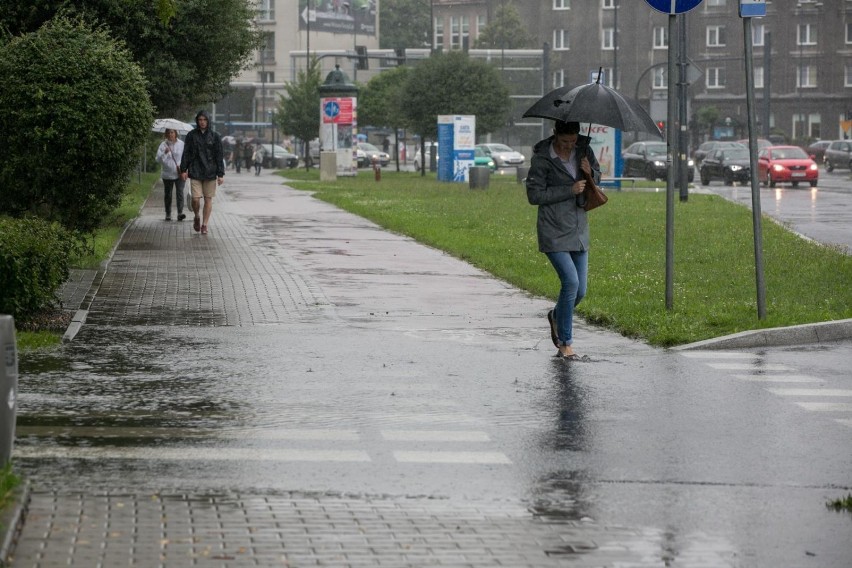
point(752, 8)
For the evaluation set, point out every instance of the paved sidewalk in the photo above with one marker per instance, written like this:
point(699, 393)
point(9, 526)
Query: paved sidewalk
point(277, 259)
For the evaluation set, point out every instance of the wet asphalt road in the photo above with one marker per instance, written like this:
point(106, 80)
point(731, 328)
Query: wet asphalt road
point(298, 348)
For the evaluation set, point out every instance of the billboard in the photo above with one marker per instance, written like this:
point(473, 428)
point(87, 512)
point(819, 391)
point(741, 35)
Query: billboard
point(456, 140)
point(338, 16)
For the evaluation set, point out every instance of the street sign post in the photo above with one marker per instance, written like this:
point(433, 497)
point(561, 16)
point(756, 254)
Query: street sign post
point(673, 6)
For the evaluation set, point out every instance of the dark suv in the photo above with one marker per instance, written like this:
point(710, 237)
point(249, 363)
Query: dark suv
point(839, 155)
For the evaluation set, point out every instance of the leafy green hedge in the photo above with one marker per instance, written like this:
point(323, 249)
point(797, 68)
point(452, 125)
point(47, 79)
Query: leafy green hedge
point(34, 257)
point(74, 116)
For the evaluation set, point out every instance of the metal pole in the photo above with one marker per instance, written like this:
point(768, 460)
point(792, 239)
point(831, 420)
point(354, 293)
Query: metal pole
point(755, 188)
point(8, 387)
point(682, 164)
point(767, 90)
point(671, 143)
point(432, 26)
point(615, 46)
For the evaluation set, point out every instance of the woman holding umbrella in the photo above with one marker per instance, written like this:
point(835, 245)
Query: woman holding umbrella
point(555, 184)
point(169, 155)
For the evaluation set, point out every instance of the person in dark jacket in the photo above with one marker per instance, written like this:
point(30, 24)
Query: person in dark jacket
point(555, 183)
point(203, 162)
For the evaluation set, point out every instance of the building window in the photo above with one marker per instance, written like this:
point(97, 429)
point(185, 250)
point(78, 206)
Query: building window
point(455, 32)
point(608, 39)
point(715, 78)
point(806, 77)
point(266, 76)
point(439, 34)
point(661, 37)
point(465, 32)
point(807, 34)
point(847, 77)
point(561, 4)
point(758, 77)
point(849, 32)
point(661, 78)
point(560, 40)
point(558, 78)
point(480, 24)
point(608, 77)
point(758, 35)
point(267, 49)
point(266, 10)
point(607, 4)
point(716, 2)
point(715, 36)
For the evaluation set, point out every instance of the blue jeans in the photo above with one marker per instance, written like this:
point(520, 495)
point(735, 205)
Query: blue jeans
point(572, 269)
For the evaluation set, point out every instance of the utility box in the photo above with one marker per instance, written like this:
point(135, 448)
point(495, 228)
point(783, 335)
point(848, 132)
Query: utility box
point(480, 177)
point(328, 166)
point(338, 122)
point(8, 387)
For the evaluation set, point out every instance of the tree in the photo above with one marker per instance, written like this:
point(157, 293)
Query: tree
point(505, 31)
point(468, 86)
point(381, 102)
point(298, 111)
point(405, 23)
point(188, 62)
point(73, 114)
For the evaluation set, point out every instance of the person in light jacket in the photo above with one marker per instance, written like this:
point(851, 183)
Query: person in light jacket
point(555, 184)
point(169, 155)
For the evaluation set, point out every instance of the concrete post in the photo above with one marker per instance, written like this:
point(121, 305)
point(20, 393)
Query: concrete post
point(522, 174)
point(328, 166)
point(8, 387)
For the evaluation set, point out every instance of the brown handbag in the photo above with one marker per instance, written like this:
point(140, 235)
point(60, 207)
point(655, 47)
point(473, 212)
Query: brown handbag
point(594, 196)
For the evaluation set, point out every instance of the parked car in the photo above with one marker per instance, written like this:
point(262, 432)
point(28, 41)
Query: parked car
point(817, 150)
point(727, 164)
point(838, 155)
point(786, 164)
point(648, 159)
point(281, 157)
point(418, 160)
point(366, 153)
point(707, 147)
point(503, 156)
point(761, 143)
point(480, 159)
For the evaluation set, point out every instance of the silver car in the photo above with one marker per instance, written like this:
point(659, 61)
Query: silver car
point(838, 155)
point(503, 156)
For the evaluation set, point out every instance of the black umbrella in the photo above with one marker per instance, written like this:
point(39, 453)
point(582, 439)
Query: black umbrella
point(594, 103)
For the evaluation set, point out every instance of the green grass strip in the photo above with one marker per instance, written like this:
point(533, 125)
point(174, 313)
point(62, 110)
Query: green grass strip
point(714, 275)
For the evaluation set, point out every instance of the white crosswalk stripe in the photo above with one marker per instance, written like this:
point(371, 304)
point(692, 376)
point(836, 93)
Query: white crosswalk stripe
point(779, 378)
point(452, 457)
point(812, 392)
point(826, 406)
point(750, 367)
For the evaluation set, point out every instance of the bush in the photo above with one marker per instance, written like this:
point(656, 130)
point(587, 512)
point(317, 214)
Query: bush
point(74, 114)
point(34, 258)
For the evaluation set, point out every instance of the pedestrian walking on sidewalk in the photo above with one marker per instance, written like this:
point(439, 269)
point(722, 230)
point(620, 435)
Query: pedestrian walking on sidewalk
point(203, 162)
point(257, 158)
point(555, 184)
point(169, 155)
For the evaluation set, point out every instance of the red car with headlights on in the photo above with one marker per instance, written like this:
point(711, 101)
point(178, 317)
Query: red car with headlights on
point(786, 164)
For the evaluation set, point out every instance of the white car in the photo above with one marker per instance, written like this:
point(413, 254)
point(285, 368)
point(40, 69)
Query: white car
point(366, 153)
point(503, 156)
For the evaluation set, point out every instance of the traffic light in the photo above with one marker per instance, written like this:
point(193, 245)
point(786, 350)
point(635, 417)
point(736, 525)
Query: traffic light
point(363, 62)
point(661, 124)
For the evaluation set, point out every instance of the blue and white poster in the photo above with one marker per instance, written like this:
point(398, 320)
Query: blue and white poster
point(456, 140)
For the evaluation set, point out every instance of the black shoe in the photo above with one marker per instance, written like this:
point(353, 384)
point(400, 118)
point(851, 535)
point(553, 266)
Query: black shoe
point(553, 335)
point(168, 217)
point(181, 217)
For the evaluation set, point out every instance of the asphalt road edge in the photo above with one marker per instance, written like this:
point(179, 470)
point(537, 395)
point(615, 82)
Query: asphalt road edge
point(808, 333)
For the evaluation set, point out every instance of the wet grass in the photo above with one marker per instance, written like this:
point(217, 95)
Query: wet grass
point(714, 276)
point(843, 504)
point(8, 482)
point(101, 244)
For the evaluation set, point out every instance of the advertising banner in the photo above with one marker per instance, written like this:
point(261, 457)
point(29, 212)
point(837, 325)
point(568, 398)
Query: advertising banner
point(338, 125)
point(456, 140)
point(605, 143)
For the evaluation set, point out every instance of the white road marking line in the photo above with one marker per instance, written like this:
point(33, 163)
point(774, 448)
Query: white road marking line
point(756, 367)
point(826, 406)
point(452, 457)
point(718, 355)
point(845, 421)
point(779, 378)
point(434, 436)
point(811, 392)
point(172, 433)
point(194, 454)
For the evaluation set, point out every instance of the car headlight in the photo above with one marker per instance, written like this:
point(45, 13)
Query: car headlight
point(690, 163)
point(659, 163)
point(777, 168)
point(736, 168)
point(813, 167)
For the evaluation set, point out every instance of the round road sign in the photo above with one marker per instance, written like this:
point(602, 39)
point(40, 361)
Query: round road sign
point(673, 6)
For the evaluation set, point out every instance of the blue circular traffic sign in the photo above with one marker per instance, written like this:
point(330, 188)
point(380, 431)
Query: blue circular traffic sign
point(673, 6)
point(331, 109)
